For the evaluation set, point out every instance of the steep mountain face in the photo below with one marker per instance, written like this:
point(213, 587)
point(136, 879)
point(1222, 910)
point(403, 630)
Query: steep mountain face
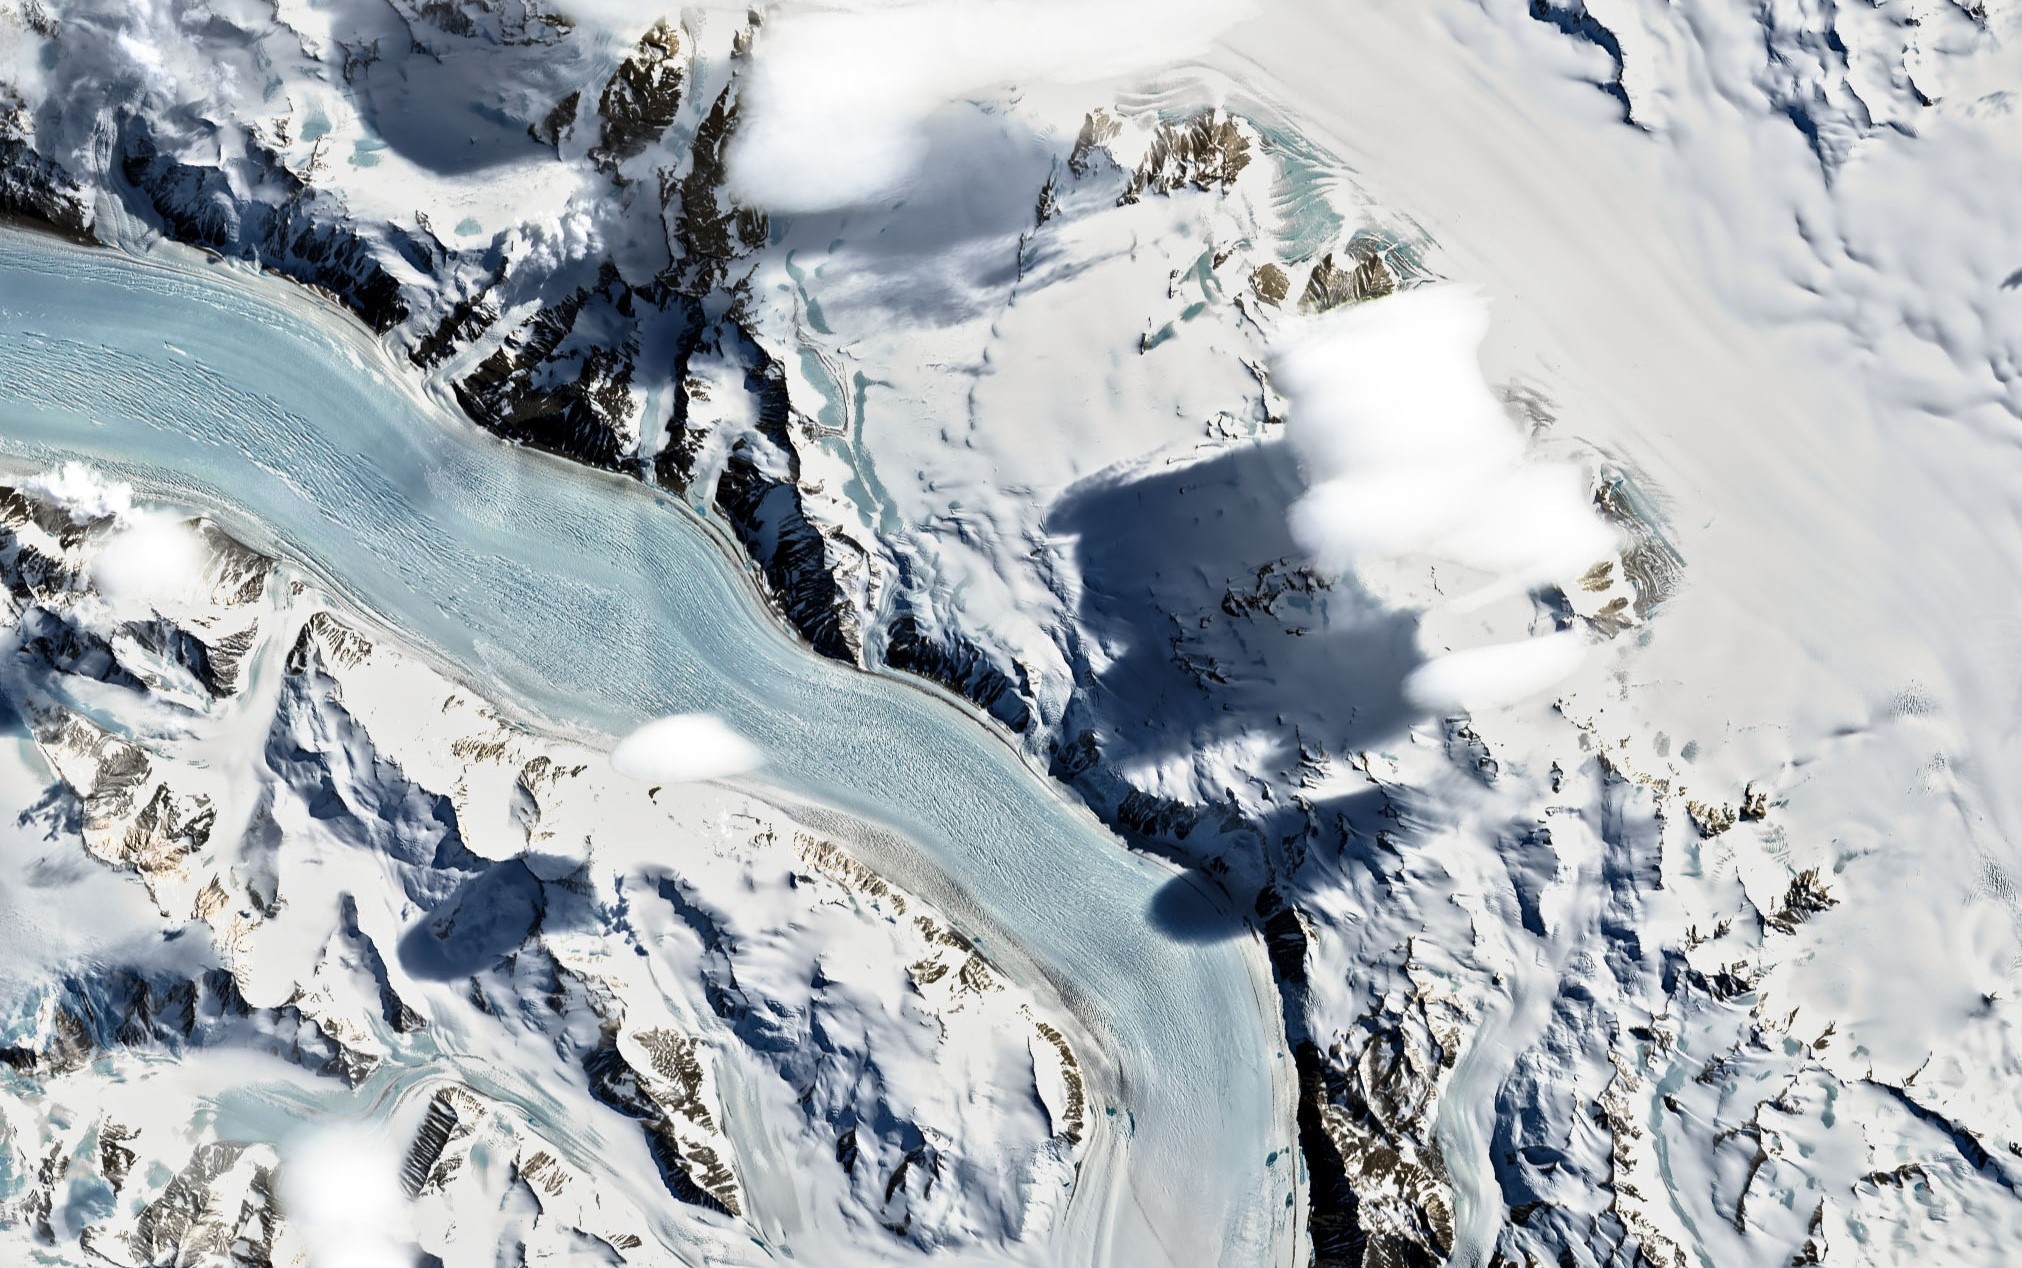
point(1553, 980)
point(261, 211)
point(574, 336)
point(344, 877)
point(33, 186)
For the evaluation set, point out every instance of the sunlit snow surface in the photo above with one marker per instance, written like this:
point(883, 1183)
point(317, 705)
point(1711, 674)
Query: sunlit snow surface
point(1693, 941)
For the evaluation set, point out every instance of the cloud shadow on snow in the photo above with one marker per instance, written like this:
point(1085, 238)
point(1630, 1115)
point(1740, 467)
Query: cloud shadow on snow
point(1194, 585)
point(487, 918)
point(1210, 631)
point(944, 246)
point(452, 104)
point(1194, 908)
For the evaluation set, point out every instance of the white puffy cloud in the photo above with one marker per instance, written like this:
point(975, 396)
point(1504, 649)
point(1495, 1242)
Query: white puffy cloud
point(834, 112)
point(147, 556)
point(684, 748)
point(154, 557)
point(1409, 455)
point(1491, 677)
point(1410, 452)
point(83, 492)
point(546, 246)
point(340, 1190)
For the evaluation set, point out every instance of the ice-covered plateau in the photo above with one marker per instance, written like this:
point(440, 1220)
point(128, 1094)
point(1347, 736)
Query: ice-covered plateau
point(1704, 954)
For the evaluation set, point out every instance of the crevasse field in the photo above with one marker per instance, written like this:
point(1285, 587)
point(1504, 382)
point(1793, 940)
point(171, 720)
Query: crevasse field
point(970, 632)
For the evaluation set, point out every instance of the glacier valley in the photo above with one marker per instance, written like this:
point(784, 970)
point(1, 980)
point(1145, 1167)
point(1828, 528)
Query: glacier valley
point(1376, 634)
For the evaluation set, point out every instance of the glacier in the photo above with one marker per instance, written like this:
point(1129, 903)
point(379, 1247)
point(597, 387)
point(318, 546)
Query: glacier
point(519, 975)
point(1697, 950)
point(592, 638)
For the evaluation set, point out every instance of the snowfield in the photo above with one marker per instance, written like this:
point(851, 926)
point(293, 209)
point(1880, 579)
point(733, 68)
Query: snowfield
point(1516, 501)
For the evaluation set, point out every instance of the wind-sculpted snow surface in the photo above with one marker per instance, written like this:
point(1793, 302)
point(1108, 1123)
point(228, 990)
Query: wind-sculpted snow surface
point(1516, 499)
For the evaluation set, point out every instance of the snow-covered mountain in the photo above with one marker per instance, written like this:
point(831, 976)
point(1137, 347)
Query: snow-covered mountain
point(563, 1008)
point(1699, 952)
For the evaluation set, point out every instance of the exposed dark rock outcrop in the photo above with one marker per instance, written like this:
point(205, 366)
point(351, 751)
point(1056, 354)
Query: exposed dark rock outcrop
point(961, 666)
point(1571, 18)
point(614, 1082)
point(643, 97)
point(194, 1220)
point(465, 320)
point(429, 1141)
point(282, 225)
point(69, 648)
point(1378, 1191)
point(1806, 897)
point(767, 512)
point(39, 189)
point(769, 519)
point(1207, 150)
point(214, 665)
point(706, 228)
point(89, 1013)
point(563, 382)
point(558, 122)
point(1368, 266)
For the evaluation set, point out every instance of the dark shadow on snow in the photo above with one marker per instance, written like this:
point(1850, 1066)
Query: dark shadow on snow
point(452, 102)
point(1197, 590)
point(944, 246)
point(1194, 908)
point(484, 920)
point(1210, 629)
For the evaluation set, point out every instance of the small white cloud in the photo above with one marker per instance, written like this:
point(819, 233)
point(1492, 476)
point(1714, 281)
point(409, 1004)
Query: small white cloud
point(547, 246)
point(82, 491)
point(839, 95)
point(340, 1190)
point(1410, 452)
point(1484, 678)
point(685, 748)
point(154, 557)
